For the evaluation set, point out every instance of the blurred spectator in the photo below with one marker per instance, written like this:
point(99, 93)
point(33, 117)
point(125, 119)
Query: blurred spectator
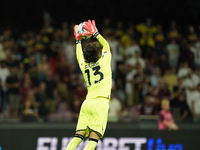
point(115, 109)
point(187, 56)
point(10, 60)
point(129, 88)
point(181, 111)
point(159, 38)
point(114, 43)
point(147, 42)
point(173, 51)
point(163, 64)
point(191, 35)
point(128, 36)
point(195, 104)
point(197, 45)
point(31, 68)
point(79, 95)
point(70, 50)
point(31, 38)
point(138, 80)
point(59, 62)
point(196, 51)
point(62, 89)
point(62, 68)
point(4, 52)
point(150, 65)
point(178, 89)
point(147, 107)
point(165, 120)
point(183, 70)
point(43, 68)
point(39, 47)
point(55, 44)
point(13, 84)
point(147, 87)
point(106, 28)
point(119, 30)
point(75, 109)
point(26, 86)
point(70, 78)
point(161, 91)
point(195, 77)
point(50, 87)
point(65, 31)
point(173, 31)
point(0, 97)
point(1, 45)
point(7, 39)
point(117, 54)
point(136, 60)
point(4, 73)
point(17, 54)
point(48, 28)
point(22, 41)
point(120, 92)
point(132, 49)
point(155, 77)
point(189, 86)
point(62, 112)
point(170, 78)
point(30, 112)
point(41, 98)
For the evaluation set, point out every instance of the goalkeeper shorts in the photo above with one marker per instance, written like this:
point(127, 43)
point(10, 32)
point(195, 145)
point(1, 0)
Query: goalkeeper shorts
point(93, 116)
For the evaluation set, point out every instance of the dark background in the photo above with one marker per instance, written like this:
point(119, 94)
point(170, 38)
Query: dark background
point(27, 14)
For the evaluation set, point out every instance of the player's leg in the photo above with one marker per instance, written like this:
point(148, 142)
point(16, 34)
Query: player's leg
point(78, 137)
point(81, 129)
point(93, 140)
point(98, 121)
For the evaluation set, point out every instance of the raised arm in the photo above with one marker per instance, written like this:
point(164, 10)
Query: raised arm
point(103, 42)
point(79, 52)
point(92, 30)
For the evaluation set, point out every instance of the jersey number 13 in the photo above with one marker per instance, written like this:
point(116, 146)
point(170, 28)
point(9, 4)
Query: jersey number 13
point(96, 72)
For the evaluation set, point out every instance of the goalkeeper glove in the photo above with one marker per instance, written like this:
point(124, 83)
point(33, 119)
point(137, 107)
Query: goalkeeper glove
point(91, 27)
point(77, 35)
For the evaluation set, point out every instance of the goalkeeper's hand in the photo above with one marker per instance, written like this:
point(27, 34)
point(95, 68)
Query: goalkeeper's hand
point(91, 28)
point(76, 34)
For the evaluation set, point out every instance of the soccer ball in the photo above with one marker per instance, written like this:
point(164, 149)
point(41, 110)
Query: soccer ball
point(83, 30)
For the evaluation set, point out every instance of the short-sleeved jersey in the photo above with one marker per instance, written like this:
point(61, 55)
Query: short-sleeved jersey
point(167, 116)
point(98, 76)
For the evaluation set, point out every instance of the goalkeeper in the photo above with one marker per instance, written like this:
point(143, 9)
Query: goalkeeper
point(95, 64)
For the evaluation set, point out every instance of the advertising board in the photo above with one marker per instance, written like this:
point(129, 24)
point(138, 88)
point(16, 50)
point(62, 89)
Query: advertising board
point(57, 139)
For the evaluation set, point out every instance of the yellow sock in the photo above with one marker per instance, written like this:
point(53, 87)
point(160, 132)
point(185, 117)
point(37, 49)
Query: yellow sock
point(91, 145)
point(74, 143)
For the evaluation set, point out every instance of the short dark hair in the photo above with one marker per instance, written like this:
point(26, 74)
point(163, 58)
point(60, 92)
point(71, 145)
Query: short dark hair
point(91, 53)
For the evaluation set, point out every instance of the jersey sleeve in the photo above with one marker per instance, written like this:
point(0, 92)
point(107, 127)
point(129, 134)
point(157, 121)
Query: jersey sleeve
point(79, 53)
point(104, 44)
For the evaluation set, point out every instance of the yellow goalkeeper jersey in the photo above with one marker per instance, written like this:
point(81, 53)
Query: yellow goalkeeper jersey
point(98, 76)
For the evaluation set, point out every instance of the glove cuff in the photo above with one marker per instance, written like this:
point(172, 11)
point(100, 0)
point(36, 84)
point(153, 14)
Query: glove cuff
point(95, 34)
point(78, 41)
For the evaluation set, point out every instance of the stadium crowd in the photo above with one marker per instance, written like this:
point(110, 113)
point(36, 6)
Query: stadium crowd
point(41, 81)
